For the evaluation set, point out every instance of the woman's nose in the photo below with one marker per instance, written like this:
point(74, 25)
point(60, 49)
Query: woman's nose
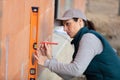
point(65, 29)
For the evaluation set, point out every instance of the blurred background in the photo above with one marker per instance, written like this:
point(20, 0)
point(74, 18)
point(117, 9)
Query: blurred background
point(15, 32)
point(106, 16)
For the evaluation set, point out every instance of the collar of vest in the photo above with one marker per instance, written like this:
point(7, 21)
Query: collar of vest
point(77, 38)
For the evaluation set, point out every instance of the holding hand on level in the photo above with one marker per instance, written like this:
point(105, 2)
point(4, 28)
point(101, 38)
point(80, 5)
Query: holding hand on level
point(43, 53)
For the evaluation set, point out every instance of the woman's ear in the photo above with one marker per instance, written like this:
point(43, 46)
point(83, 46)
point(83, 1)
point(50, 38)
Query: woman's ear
point(80, 22)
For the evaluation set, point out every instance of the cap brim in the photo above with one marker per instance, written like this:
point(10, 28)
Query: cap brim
point(58, 21)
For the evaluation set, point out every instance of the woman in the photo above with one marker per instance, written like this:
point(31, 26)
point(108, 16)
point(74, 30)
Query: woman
point(93, 55)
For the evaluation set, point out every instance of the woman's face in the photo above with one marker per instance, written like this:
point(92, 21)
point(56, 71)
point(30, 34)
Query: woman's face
point(71, 27)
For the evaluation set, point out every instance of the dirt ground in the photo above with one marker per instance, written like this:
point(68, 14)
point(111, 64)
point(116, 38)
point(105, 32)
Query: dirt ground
point(104, 13)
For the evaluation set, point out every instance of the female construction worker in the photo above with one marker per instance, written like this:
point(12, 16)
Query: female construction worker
point(93, 55)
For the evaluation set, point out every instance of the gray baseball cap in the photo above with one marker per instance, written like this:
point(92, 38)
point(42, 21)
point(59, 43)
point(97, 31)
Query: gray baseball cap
point(69, 14)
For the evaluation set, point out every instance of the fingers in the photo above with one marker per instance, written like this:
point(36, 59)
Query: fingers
point(46, 46)
point(40, 58)
point(36, 57)
point(37, 53)
point(42, 49)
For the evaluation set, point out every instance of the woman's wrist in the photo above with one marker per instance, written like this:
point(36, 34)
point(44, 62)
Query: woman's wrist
point(46, 63)
point(49, 56)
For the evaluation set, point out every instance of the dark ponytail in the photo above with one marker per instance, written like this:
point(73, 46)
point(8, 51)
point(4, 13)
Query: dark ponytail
point(89, 24)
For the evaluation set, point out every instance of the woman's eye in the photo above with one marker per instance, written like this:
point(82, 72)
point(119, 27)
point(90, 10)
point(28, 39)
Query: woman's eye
point(67, 24)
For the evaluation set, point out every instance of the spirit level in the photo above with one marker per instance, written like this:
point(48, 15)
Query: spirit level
point(32, 73)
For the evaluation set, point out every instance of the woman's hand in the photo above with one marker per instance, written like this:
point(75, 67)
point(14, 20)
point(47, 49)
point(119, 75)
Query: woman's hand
point(40, 58)
point(48, 51)
point(43, 53)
